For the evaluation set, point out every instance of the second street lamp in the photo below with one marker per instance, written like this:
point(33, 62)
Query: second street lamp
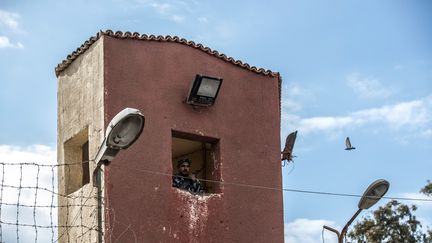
point(372, 195)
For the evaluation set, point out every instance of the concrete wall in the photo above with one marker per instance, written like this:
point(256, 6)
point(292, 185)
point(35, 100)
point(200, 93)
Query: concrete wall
point(80, 117)
point(141, 205)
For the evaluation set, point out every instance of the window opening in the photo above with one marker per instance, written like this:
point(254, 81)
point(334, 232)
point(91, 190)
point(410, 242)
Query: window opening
point(76, 156)
point(202, 153)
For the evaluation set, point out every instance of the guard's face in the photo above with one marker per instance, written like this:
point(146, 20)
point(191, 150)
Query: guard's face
point(184, 169)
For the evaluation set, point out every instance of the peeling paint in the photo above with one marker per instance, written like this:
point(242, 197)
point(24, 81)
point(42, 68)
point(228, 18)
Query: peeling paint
point(195, 208)
point(199, 132)
point(215, 162)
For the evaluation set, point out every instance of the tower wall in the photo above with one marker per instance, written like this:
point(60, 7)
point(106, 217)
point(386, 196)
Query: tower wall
point(80, 119)
point(140, 204)
point(140, 201)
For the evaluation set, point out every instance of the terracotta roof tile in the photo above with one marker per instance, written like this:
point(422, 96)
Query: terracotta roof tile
point(137, 36)
point(128, 35)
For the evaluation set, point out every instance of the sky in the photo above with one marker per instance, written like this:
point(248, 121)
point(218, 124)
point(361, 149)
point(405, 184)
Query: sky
point(361, 69)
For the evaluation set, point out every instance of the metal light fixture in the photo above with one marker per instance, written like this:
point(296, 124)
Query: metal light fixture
point(204, 90)
point(123, 130)
point(372, 195)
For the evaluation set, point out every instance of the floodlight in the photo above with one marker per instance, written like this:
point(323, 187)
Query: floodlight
point(123, 130)
point(204, 90)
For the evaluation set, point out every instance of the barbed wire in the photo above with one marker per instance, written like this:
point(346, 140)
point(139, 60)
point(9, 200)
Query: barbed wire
point(25, 192)
point(47, 206)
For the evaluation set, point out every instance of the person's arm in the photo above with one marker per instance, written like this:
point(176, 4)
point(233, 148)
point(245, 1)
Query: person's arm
point(176, 182)
point(197, 187)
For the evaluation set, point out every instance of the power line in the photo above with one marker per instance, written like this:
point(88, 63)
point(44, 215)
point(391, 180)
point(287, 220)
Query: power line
point(279, 189)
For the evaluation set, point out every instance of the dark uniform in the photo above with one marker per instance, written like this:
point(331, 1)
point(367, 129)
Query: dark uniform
point(187, 184)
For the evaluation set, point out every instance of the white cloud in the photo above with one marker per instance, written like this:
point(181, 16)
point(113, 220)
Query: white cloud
point(290, 105)
point(22, 168)
point(35, 153)
point(5, 43)
point(21, 165)
point(416, 114)
point(309, 231)
point(9, 20)
point(367, 87)
point(293, 96)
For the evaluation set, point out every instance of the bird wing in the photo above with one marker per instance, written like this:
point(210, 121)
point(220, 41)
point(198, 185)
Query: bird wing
point(289, 145)
point(348, 143)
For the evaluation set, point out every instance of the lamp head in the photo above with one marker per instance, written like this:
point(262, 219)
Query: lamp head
point(123, 130)
point(373, 193)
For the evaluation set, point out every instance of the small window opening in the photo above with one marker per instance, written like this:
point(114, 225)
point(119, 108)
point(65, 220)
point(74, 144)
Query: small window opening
point(76, 158)
point(203, 153)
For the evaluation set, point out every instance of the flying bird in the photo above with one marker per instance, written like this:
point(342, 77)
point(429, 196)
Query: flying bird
point(348, 144)
point(289, 145)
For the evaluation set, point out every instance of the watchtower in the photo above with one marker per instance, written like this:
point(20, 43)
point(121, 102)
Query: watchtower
point(234, 144)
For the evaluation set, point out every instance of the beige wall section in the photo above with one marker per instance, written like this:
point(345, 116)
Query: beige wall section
point(80, 115)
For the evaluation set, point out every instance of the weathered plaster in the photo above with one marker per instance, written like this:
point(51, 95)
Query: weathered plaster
point(80, 107)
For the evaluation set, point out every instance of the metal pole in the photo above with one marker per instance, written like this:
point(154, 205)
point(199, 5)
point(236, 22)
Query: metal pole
point(98, 176)
point(345, 228)
point(334, 231)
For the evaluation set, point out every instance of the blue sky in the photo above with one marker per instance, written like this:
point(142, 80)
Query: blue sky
point(350, 68)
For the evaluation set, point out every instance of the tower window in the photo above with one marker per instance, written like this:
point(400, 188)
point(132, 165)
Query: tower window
point(76, 158)
point(203, 152)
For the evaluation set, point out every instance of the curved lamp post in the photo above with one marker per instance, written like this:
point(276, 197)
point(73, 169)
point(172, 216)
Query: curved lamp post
point(123, 130)
point(372, 195)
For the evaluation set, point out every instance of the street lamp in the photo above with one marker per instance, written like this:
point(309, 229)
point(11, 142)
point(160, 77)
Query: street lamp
point(123, 130)
point(372, 195)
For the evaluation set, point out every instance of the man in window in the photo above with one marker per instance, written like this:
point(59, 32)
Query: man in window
point(184, 179)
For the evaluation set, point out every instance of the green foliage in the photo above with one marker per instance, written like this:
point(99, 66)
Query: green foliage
point(393, 222)
point(427, 190)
